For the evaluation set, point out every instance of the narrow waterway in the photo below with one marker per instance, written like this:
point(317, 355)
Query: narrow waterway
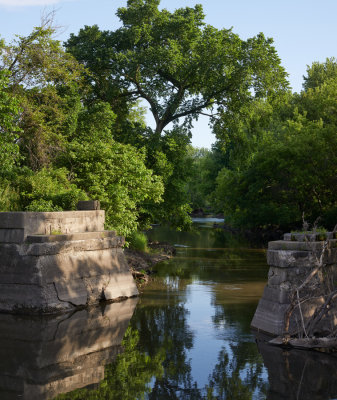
point(203, 301)
point(186, 337)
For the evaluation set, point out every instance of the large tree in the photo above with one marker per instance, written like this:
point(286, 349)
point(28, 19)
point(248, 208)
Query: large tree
point(182, 68)
point(179, 65)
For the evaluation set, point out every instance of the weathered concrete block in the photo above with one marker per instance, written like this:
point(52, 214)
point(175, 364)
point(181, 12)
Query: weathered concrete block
point(59, 272)
point(47, 223)
point(276, 276)
point(309, 236)
point(330, 255)
point(292, 258)
point(17, 269)
point(290, 276)
point(25, 299)
point(53, 248)
point(70, 236)
point(295, 246)
point(89, 205)
point(269, 317)
point(12, 235)
point(291, 261)
point(280, 295)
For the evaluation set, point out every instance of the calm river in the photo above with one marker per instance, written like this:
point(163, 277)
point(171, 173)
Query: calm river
point(186, 337)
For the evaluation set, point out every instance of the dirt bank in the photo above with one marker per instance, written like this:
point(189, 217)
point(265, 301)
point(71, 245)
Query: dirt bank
point(141, 263)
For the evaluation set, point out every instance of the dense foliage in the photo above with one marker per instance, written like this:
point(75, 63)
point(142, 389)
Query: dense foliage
point(72, 127)
point(55, 148)
point(181, 68)
point(279, 159)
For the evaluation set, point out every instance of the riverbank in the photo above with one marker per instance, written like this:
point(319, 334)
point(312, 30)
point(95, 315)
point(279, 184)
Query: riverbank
point(141, 263)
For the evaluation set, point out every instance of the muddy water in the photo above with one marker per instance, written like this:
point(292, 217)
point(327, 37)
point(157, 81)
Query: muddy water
point(187, 337)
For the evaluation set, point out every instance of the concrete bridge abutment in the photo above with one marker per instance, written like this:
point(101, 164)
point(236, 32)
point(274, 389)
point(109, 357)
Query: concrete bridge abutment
point(59, 261)
point(291, 261)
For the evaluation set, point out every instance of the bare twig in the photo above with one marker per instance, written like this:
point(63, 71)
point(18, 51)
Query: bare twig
point(301, 314)
point(295, 299)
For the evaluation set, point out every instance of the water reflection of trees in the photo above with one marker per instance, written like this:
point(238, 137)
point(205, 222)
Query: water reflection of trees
point(235, 378)
point(165, 338)
point(163, 326)
point(127, 378)
point(159, 368)
point(155, 363)
point(237, 374)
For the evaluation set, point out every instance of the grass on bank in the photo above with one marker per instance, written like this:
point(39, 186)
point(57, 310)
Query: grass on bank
point(138, 241)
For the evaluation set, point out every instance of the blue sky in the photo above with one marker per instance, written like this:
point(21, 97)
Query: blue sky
point(303, 30)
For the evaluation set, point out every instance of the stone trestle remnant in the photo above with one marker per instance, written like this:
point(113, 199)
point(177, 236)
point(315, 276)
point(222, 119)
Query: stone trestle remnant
point(291, 262)
point(58, 261)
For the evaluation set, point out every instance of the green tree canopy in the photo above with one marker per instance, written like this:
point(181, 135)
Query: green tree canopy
point(182, 68)
point(179, 65)
point(59, 147)
point(318, 73)
point(284, 164)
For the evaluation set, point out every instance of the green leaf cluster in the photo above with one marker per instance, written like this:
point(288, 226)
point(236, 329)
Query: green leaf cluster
point(9, 113)
point(284, 163)
point(57, 147)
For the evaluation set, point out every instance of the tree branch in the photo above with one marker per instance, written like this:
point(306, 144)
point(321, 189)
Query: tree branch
point(169, 78)
point(141, 92)
point(171, 108)
point(191, 111)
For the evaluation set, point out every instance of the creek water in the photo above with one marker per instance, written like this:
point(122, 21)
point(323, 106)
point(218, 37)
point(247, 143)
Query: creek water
point(186, 337)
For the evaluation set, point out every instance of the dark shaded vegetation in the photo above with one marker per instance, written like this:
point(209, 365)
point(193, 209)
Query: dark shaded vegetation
point(278, 159)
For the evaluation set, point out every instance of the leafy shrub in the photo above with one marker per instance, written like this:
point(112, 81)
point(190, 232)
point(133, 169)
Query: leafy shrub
point(9, 197)
point(115, 174)
point(42, 205)
point(48, 190)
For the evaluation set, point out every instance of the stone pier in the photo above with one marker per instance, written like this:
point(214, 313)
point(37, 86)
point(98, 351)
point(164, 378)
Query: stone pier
point(59, 261)
point(291, 260)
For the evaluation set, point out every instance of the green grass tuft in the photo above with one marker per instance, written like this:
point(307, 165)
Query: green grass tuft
point(138, 241)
